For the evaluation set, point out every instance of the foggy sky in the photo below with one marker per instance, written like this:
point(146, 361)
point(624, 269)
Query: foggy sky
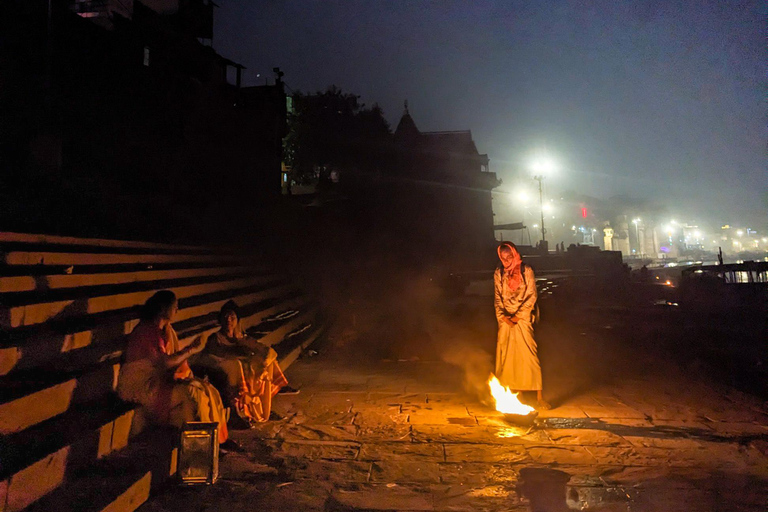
point(661, 100)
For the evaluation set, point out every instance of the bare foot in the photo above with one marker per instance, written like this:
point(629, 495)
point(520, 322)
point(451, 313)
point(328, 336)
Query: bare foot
point(543, 405)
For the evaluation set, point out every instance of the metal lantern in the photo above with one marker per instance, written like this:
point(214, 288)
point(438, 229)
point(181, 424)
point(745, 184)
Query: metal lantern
point(198, 461)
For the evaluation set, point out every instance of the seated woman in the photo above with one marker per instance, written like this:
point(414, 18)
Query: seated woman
point(253, 373)
point(156, 374)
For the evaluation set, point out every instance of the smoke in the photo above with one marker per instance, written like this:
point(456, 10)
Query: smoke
point(476, 365)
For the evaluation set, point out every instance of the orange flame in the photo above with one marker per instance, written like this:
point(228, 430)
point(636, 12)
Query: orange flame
point(506, 401)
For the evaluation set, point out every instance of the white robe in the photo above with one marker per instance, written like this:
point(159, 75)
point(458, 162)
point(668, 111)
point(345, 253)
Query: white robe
point(517, 360)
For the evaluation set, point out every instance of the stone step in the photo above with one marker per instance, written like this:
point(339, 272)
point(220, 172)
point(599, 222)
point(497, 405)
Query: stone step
point(40, 459)
point(50, 348)
point(38, 283)
point(274, 331)
point(33, 397)
point(33, 402)
point(79, 258)
point(37, 313)
point(9, 238)
point(120, 482)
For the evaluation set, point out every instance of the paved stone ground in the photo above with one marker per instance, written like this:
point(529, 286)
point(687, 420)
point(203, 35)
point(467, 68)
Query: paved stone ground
point(630, 432)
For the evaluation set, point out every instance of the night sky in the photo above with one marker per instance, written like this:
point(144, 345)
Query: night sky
point(660, 100)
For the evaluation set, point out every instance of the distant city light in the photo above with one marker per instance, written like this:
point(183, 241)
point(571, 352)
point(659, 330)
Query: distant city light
point(740, 232)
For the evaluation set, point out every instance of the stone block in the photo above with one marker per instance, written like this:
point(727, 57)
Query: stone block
point(489, 453)
point(477, 473)
point(313, 450)
point(487, 497)
point(133, 497)
point(586, 437)
point(382, 497)
point(34, 408)
point(557, 455)
point(339, 472)
point(405, 472)
point(35, 481)
point(402, 451)
point(121, 430)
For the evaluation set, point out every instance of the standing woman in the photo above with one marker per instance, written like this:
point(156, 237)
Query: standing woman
point(517, 360)
point(156, 374)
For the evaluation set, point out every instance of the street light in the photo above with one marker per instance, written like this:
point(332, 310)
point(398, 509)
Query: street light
point(541, 167)
point(637, 234)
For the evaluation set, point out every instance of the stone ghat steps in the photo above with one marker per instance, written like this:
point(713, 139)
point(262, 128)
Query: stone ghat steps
point(33, 396)
point(42, 458)
point(47, 454)
point(17, 313)
point(55, 343)
point(120, 482)
point(102, 469)
point(66, 305)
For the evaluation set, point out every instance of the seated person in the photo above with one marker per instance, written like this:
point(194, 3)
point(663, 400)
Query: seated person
point(253, 373)
point(156, 374)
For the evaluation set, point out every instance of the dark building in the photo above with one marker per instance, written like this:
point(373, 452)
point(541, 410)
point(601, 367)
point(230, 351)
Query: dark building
point(119, 105)
point(445, 189)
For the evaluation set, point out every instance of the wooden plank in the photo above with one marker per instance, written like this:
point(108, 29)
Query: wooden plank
point(75, 258)
point(63, 281)
point(37, 480)
point(32, 314)
point(25, 238)
point(133, 497)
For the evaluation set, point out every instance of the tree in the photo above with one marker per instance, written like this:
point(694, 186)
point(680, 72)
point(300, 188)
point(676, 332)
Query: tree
point(332, 129)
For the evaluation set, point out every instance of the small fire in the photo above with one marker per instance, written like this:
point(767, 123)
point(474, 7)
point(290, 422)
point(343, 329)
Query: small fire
point(506, 401)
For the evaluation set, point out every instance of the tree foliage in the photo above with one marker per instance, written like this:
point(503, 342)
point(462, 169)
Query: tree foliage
point(332, 129)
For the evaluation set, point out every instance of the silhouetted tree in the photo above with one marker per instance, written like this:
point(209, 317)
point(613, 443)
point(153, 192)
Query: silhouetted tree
point(332, 129)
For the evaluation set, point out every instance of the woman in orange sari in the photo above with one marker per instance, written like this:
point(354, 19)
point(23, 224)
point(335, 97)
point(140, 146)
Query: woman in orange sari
point(251, 367)
point(156, 374)
point(517, 360)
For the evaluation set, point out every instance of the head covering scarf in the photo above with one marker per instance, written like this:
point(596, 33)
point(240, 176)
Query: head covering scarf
point(513, 276)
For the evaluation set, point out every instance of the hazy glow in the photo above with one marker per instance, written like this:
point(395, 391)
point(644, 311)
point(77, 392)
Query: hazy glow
point(543, 166)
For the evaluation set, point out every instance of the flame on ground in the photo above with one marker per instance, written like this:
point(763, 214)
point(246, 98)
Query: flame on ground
point(506, 401)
